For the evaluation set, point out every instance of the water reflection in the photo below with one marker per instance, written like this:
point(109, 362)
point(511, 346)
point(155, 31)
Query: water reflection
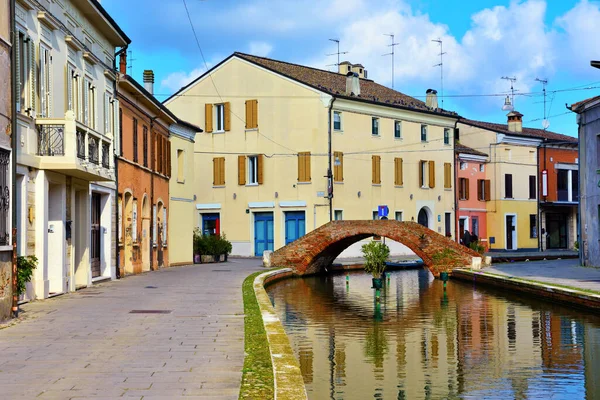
point(423, 341)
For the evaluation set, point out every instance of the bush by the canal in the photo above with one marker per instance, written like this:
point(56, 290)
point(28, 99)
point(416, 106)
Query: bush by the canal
point(477, 246)
point(376, 254)
point(25, 267)
point(210, 248)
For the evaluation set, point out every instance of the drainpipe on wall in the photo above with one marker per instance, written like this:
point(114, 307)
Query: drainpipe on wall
point(329, 174)
point(13, 139)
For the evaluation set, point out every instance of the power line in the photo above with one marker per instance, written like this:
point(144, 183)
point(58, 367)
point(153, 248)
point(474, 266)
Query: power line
point(545, 123)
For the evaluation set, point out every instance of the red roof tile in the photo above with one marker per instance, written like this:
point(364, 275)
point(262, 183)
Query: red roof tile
point(461, 148)
point(527, 132)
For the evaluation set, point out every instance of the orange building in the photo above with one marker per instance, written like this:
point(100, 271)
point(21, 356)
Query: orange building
point(472, 192)
point(144, 168)
point(559, 194)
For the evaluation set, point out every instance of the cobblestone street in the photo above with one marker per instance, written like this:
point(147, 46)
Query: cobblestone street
point(89, 344)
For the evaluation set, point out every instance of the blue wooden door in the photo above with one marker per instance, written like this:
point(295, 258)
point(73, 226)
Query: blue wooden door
point(263, 233)
point(295, 225)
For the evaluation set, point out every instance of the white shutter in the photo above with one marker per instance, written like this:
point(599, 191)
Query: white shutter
point(49, 84)
point(106, 113)
point(86, 102)
point(164, 226)
point(32, 77)
point(154, 226)
point(115, 132)
point(18, 67)
point(134, 222)
point(70, 88)
point(43, 82)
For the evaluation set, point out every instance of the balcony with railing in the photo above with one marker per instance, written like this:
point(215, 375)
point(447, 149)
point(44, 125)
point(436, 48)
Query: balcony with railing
point(72, 148)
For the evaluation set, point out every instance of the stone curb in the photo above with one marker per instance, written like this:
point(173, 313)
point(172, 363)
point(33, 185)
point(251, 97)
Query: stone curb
point(571, 297)
point(288, 381)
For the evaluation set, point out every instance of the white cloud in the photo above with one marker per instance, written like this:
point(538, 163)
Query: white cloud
point(177, 80)
point(261, 49)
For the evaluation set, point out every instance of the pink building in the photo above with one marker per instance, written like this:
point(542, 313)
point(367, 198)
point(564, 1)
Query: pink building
point(472, 192)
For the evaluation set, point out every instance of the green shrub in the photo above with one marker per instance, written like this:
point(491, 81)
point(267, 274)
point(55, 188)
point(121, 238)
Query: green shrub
point(211, 245)
point(375, 254)
point(576, 245)
point(25, 267)
point(477, 246)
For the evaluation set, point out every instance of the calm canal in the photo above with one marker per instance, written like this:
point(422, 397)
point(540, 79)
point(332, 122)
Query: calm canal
point(421, 342)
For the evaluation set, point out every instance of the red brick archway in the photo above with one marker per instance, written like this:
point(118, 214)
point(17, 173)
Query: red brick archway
point(316, 250)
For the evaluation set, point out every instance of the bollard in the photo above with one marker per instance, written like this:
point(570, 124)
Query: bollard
point(377, 295)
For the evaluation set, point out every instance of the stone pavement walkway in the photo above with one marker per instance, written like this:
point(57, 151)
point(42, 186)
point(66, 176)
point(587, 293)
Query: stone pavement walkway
point(561, 272)
point(88, 344)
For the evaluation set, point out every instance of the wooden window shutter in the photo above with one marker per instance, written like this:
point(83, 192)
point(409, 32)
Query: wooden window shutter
point(215, 170)
point(431, 174)
point(479, 189)
point(219, 171)
point(461, 193)
point(241, 170)
point(227, 117)
point(376, 169)
point(304, 167)
point(400, 172)
point(487, 190)
point(208, 118)
point(249, 114)
point(255, 117)
point(421, 173)
point(466, 189)
point(396, 175)
point(259, 166)
point(338, 170)
point(222, 171)
point(447, 175)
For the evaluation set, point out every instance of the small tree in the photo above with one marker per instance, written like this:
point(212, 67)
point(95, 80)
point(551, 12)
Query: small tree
point(375, 254)
point(25, 267)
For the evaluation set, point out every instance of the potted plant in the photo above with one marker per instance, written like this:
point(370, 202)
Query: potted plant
point(376, 254)
point(225, 247)
point(25, 267)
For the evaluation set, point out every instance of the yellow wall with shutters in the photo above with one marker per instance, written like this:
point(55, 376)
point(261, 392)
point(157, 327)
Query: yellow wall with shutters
point(296, 117)
point(520, 160)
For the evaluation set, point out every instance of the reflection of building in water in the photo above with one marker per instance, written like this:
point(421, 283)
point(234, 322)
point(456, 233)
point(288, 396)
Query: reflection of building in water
point(591, 361)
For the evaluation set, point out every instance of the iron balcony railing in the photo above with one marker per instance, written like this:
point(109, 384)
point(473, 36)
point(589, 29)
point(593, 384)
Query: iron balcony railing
point(81, 145)
point(93, 149)
point(105, 154)
point(51, 140)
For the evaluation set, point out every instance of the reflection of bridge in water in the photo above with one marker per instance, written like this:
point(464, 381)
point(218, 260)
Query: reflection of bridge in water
point(465, 339)
point(316, 250)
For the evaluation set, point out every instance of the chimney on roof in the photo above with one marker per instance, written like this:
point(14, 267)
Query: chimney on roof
point(123, 63)
point(345, 66)
point(515, 121)
point(352, 84)
point(431, 100)
point(149, 81)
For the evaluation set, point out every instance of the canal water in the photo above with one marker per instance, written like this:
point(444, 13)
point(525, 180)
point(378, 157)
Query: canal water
point(422, 341)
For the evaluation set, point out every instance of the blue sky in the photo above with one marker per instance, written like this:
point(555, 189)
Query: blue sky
point(483, 40)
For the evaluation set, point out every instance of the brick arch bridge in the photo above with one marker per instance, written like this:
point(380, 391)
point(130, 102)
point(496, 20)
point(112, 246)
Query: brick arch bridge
point(316, 250)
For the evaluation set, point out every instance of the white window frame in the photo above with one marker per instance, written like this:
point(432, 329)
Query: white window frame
point(463, 165)
point(335, 213)
point(399, 124)
point(86, 89)
point(219, 117)
point(376, 120)
point(424, 184)
point(45, 84)
point(252, 169)
point(481, 167)
point(401, 213)
point(339, 114)
point(22, 48)
point(447, 136)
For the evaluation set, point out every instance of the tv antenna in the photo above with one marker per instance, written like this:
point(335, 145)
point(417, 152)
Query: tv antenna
point(441, 65)
point(545, 122)
point(509, 104)
point(337, 53)
point(130, 61)
point(392, 45)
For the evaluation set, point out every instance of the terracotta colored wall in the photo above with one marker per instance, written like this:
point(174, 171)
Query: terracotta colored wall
point(552, 157)
point(466, 208)
point(141, 181)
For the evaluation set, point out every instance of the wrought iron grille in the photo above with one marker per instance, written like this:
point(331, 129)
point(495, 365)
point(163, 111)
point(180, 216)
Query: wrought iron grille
point(93, 149)
point(81, 145)
point(105, 155)
point(4, 197)
point(51, 140)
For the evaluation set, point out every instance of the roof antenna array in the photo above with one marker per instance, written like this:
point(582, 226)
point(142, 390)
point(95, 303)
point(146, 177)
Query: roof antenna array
point(441, 65)
point(392, 45)
point(509, 103)
point(337, 53)
point(545, 122)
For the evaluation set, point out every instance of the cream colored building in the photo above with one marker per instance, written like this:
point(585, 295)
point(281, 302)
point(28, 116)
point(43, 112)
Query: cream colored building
point(273, 130)
point(181, 193)
point(512, 211)
point(67, 119)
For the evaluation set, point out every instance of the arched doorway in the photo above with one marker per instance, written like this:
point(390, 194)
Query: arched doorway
point(423, 218)
point(128, 239)
point(146, 234)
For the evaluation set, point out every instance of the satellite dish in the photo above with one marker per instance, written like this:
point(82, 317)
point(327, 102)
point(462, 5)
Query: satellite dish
point(545, 124)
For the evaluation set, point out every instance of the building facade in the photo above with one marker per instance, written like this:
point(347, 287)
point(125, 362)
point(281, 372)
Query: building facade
point(559, 195)
point(286, 148)
point(67, 117)
point(588, 119)
point(512, 208)
point(472, 193)
point(182, 214)
point(144, 168)
point(6, 159)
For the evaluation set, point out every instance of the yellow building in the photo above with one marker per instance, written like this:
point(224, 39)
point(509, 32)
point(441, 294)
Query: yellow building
point(181, 193)
point(274, 130)
point(512, 212)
